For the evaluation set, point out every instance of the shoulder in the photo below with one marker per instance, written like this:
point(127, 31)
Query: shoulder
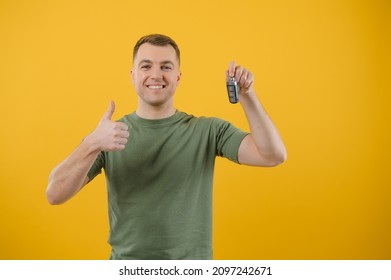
point(205, 120)
point(128, 118)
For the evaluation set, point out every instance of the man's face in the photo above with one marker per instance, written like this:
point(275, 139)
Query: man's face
point(155, 74)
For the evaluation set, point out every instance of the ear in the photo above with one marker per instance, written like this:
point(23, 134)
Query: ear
point(178, 78)
point(132, 75)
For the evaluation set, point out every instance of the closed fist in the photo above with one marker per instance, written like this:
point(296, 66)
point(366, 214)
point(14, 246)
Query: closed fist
point(243, 77)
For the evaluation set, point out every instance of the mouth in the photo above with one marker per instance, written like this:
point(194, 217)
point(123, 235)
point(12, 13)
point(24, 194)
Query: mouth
point(156, 86)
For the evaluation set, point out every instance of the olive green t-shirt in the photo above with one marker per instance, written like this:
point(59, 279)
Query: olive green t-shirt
point(160, 186)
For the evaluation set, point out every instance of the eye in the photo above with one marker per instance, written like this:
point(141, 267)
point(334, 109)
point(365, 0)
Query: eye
point(166, 67)
point(145, 66)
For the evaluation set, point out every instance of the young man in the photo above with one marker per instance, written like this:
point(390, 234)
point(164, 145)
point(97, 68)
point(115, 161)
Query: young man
point(159, 162)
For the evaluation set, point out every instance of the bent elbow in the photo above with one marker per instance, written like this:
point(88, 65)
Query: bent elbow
point(277, 159)
point(282, 157)
point(52, 194)
point(52, 198)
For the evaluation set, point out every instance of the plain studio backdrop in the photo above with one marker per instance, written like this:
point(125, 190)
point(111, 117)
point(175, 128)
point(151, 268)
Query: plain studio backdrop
point(322, 71)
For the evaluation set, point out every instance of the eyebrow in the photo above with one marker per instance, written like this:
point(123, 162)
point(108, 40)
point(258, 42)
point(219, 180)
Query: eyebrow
point(161, 63)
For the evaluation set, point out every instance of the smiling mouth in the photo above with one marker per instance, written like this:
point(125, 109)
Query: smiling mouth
point(156, 86)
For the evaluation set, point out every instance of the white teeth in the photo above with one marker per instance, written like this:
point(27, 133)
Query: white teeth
point(155, 87)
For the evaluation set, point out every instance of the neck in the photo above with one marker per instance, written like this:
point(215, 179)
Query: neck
point(155, 112)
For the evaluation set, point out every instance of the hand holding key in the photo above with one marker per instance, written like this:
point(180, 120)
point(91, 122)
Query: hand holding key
point(238, 79)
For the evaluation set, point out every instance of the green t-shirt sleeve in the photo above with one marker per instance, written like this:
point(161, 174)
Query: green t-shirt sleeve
point(228, 139)
point(96, 167)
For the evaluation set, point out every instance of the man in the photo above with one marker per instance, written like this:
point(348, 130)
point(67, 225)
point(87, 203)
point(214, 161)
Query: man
point(159, 161)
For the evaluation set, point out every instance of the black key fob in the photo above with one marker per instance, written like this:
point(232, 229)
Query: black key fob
point(233, 92)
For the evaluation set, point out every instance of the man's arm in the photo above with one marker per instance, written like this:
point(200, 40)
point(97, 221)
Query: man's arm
point(70, 176)
point(264, 146)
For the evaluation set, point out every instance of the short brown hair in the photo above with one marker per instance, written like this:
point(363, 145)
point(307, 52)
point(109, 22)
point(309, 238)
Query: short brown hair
point(157, 40)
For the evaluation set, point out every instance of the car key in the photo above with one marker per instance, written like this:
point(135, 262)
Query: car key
point(232, 88)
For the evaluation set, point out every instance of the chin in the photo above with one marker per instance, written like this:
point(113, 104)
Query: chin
point(155, 101)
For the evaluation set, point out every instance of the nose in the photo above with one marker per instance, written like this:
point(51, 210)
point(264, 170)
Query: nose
point(156, 73)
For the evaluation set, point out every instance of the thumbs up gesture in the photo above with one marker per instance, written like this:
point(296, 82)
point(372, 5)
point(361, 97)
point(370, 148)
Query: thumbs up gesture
point(109, 135)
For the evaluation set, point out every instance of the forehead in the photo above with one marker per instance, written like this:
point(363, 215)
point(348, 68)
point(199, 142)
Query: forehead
point(156, 53)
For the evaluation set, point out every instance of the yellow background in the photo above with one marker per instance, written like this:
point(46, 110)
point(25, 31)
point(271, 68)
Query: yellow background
point(322, 71)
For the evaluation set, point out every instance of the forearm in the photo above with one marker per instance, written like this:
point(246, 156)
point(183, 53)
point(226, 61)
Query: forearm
point(70, 175)
point(263, 132)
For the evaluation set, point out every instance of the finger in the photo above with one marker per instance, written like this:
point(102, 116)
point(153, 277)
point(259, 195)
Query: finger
point(110, 111)
point(119, 147)
point(121, 141)
point(238, 73)
point(231, 69)
point(243, 78)
point(250, 80)
point(124, 134)
point(121, 126)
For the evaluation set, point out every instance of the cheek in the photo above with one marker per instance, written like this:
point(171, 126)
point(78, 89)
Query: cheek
point(138, 79)
point(174, 79)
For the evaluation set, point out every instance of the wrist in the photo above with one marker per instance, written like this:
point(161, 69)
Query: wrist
point(248, 98)
point(91, 144)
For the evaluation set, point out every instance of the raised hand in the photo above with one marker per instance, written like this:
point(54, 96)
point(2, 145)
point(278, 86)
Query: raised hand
point(243, 77)
point(109, 135)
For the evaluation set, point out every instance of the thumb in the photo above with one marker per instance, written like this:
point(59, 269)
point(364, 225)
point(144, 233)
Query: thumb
point(231, 69)
point(110, 111)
